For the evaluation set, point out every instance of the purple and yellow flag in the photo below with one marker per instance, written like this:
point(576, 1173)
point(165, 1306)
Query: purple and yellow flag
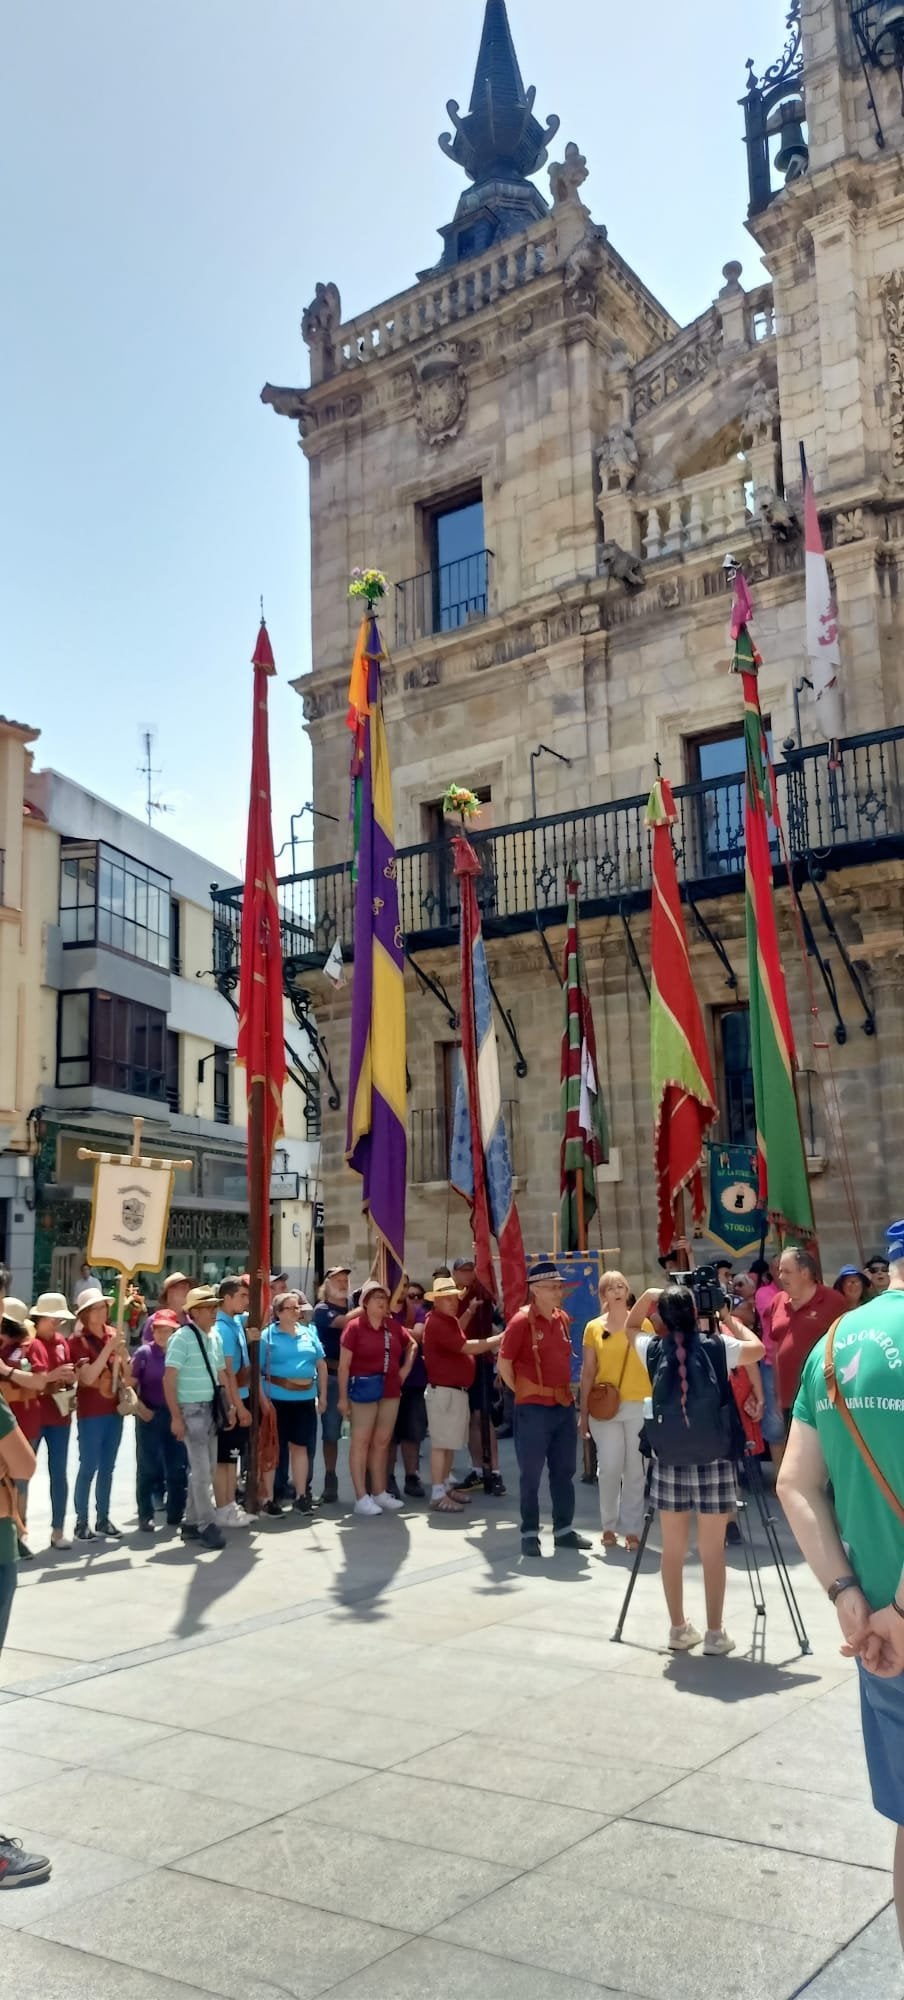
point(376, 1142)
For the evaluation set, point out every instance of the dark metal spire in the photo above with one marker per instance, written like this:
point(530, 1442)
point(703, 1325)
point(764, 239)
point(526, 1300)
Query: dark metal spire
point(499, 139)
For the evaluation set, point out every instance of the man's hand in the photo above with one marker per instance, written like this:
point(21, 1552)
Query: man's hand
point(854, 1612)
point(754, 1407)
point(244, 1417)
point(64, 1375)
point(883, 1650)
point(178, 1429)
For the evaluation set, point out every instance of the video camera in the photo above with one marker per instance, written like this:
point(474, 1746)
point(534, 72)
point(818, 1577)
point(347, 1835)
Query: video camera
point(710, 1298)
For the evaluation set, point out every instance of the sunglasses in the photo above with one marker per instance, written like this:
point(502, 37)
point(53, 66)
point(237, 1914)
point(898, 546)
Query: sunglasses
point(415, 1295)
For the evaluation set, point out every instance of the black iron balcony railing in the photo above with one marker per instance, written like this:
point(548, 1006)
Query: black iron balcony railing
point(441, 599)
point(842, 817)
point(429, 1137)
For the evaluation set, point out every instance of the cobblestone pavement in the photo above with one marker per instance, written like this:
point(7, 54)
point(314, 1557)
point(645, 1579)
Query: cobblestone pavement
point(389, 1761)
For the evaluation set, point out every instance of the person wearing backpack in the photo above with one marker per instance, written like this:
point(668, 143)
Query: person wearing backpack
point(690, 1435)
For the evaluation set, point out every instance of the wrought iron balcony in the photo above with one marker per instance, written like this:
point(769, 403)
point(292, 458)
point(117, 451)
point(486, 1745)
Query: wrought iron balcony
point(442, 599)
point(839, 818)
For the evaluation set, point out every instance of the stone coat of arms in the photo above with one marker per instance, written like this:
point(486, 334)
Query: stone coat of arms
point(441, 392)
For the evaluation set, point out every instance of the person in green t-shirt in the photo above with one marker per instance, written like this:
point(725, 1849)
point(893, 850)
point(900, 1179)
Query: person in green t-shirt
point(854, 1542)
point(17, 1462)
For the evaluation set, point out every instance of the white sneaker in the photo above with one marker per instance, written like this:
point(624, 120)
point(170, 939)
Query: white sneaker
point(387, 1504)
point(60, 1541)
point(367, 1506)
point(683, 1637)
point(232, 1516)
point(718, 1643)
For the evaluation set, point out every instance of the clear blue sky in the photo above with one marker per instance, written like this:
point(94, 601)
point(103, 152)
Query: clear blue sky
point(177, 178)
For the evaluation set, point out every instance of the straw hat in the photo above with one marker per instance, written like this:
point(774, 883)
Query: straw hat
point(92, 1297)
point(16, 1312)
point(202, 1295)
point(445, 1288)
point(51, 1305)
point(175, 1278)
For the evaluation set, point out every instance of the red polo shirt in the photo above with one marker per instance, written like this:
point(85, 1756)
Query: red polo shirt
point(550, 1370)
point(95, 1399)
point(19, 1352)
point(795, 1331)
point(367, 1346)
point(448, 1366)
point(56, 1347)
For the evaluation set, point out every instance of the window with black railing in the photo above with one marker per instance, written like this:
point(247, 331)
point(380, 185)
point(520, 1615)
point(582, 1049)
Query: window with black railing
point(173, 1091)
point(455, 589)
point(735, 1071)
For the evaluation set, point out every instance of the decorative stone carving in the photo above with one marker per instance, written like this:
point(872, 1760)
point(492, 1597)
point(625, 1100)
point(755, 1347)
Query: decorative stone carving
point(618, 460)
point(590, 619)
point(780, 519)
point(584, 267)
point(426, 674)
point(441, 393)
point(849, 526)
point(566, 176)
point(621, 566)
point(760, 417)
point(539, 633)
point(319, 324)
point(290, 403)
point(892, 294)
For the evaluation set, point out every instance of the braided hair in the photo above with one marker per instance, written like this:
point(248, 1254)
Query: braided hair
point(678, 1314)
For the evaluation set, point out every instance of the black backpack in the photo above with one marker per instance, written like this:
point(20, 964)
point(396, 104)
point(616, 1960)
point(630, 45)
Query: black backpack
point(702, 1432)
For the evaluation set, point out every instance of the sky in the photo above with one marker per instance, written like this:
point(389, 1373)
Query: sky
point(177, 179)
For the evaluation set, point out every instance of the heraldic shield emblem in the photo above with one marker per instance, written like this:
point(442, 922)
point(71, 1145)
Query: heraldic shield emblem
point(134, 1210)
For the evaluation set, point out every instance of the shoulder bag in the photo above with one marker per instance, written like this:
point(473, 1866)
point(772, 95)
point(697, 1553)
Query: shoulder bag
point(605, 1397)
point(836, 1398)
point(220, 1406)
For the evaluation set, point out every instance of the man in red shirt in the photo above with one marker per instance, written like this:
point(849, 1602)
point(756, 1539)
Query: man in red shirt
point(800, 1316)
point(535, 1361)
point(449, 1361)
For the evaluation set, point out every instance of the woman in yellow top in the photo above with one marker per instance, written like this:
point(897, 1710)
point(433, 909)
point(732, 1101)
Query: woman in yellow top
point(609, 1357)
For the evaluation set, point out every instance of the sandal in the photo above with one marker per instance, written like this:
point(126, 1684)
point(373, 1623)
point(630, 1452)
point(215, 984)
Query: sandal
point(632, 1542)
point(446, 1505)
point(609, 1540)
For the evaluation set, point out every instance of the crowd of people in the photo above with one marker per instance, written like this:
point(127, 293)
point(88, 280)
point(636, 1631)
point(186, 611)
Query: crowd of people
point(672, 1394)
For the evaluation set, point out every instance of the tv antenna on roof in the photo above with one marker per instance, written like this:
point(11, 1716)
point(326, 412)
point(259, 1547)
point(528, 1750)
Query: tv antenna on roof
point(150, 772)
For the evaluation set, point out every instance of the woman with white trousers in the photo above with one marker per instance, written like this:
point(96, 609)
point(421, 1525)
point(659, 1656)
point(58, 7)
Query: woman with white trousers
point(614, 1380)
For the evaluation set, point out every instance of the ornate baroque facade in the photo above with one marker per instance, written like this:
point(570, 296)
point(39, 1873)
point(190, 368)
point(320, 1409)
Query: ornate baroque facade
point(552, 472)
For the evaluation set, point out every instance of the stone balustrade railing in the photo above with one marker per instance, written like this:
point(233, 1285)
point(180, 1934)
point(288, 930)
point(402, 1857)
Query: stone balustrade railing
point(710, 507)
point(431, 308)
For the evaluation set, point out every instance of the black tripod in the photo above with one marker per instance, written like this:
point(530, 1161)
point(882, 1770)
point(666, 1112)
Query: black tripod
point(752, 1483)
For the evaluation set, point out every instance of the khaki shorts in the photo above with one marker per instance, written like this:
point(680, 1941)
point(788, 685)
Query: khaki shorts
point(448, 1417)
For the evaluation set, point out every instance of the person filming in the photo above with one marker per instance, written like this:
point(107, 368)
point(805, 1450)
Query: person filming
point(690, 1438)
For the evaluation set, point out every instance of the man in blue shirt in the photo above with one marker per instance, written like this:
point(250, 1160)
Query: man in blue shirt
point(232, 1446)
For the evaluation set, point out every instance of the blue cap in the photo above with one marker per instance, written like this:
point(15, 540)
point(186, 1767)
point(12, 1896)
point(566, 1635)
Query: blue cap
point(541, 1272)
point(851, 1271)
point(894, 1242)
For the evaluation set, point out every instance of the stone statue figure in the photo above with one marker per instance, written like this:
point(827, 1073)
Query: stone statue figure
point(319, 324)
point(566, 176)
point(760, 416)
point(618, 460)
point(620, 566)
point(583, 268)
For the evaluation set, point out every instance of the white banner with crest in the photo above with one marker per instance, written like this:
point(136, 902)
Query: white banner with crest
point(130, 1215)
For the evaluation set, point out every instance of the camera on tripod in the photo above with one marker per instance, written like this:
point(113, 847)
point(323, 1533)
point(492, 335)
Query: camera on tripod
point(710, 1298)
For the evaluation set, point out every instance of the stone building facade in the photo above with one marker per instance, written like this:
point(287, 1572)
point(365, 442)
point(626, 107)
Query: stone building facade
point(552, 472)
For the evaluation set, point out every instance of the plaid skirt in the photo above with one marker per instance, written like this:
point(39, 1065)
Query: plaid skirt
point(694, 1489)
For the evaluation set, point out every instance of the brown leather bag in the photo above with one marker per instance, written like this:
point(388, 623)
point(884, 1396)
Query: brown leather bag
point(605, 1398)
point(836, 1398)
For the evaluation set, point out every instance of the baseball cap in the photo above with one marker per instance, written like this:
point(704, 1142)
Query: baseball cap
point(338, 1271)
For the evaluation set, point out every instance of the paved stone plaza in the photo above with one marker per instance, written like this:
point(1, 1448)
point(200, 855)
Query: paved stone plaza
point(388, 1761)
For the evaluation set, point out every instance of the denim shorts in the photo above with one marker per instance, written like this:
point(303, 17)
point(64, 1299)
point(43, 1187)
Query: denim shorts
point(330, 1421)
point(772, 1422)
point(882, 1717)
